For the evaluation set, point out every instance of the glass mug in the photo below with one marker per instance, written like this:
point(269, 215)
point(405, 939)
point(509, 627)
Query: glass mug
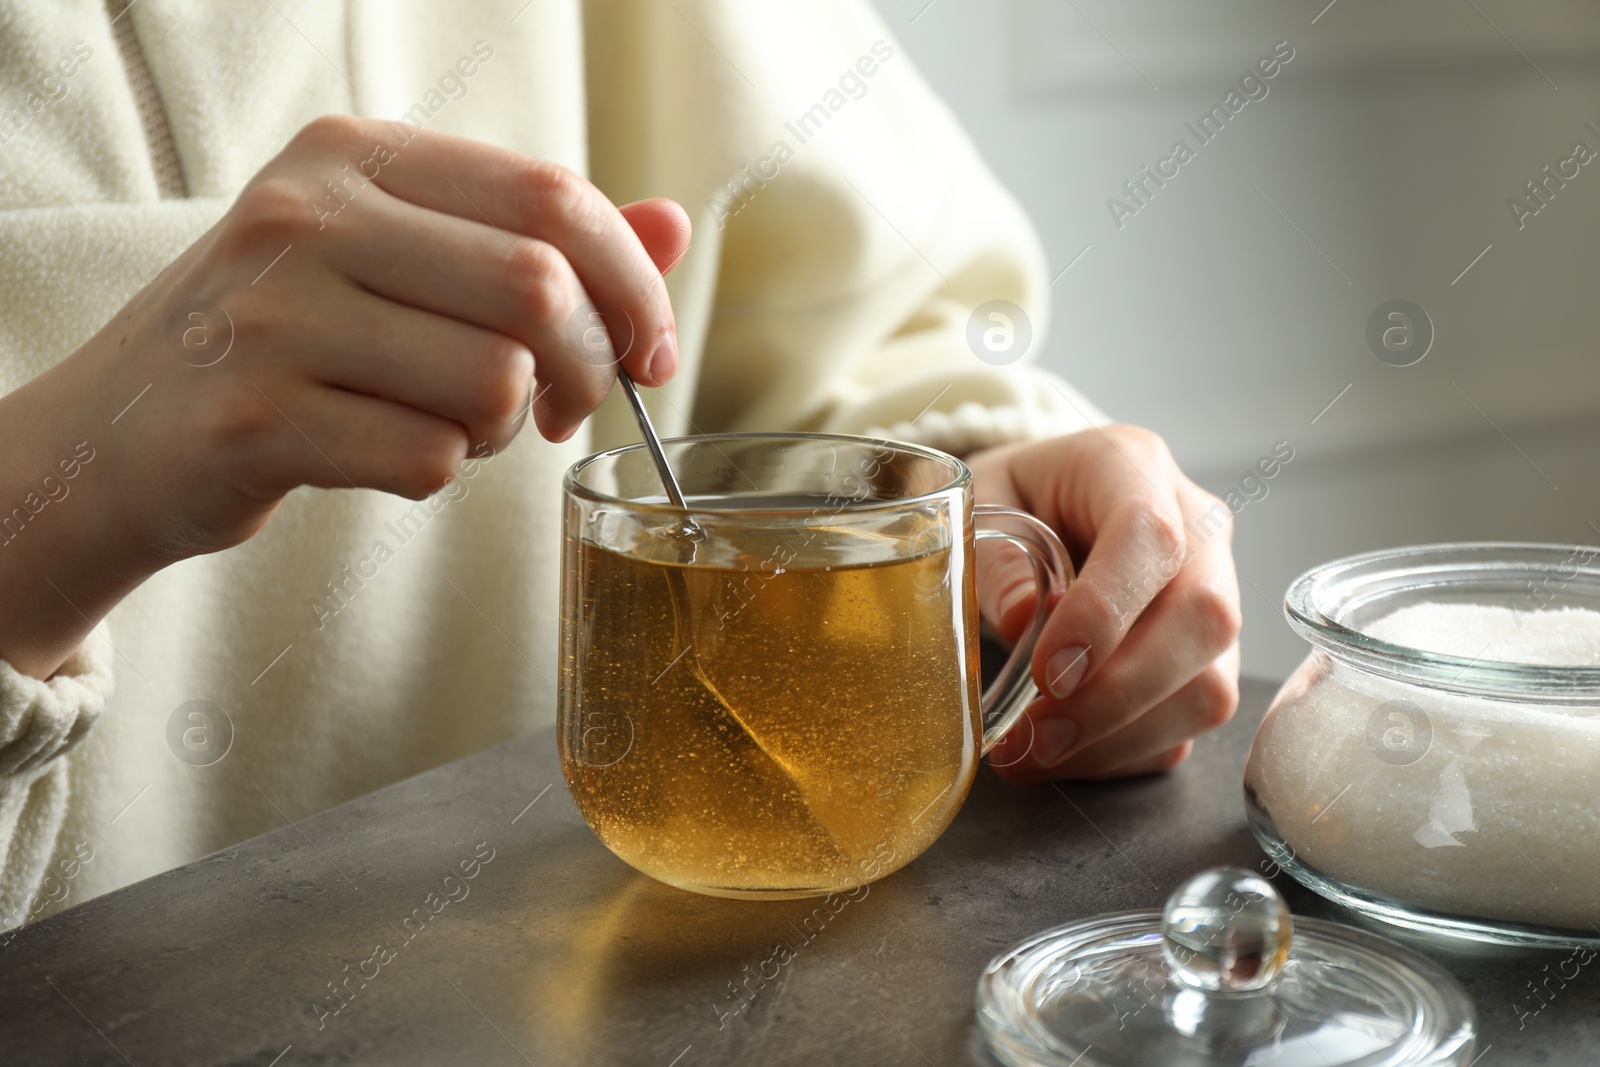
point(779, 696)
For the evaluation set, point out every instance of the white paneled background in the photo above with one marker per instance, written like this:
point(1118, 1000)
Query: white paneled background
point(1232, 309)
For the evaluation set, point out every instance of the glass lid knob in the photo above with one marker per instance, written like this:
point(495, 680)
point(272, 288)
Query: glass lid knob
point(1225, 930)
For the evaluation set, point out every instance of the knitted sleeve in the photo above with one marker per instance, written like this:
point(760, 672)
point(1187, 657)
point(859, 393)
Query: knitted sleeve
point(871, 275)
point(874, 275)
point(39, 722)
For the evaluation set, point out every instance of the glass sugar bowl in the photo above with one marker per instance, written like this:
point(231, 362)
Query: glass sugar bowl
point(1435, 761)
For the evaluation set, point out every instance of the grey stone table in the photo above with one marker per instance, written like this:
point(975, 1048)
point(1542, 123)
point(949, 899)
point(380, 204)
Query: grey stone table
point(555, 952)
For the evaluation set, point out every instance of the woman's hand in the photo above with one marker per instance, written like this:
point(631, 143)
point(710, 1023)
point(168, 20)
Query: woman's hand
point(368, 311)
point(1141, 652)
point(412, 311)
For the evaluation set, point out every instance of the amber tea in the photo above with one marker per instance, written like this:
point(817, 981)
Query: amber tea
point(776, 693)
point(764, 728)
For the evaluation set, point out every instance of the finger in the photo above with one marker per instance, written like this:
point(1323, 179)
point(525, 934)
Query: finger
point(1192, 621)
point(442, 366)
point(1205, 702)
point(519, 287)
point(335, 439)
point(663, 228)
point(1006, 587)
point(1005, 578)
point(1124, 490)
point(1010, 754)
point(536, 198)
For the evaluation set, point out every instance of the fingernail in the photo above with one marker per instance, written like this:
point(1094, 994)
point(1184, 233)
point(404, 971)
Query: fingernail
point(1012, 599)
point(1053, 736)
point(1065, 671)
point(665, 359)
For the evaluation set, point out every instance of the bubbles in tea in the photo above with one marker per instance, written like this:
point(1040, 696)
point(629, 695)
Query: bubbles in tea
point(809, 726)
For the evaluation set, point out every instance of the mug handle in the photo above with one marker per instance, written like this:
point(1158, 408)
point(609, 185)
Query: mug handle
point(1013, 690)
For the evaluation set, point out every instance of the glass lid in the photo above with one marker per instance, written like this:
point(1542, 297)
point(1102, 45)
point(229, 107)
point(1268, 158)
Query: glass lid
point(1222, 976)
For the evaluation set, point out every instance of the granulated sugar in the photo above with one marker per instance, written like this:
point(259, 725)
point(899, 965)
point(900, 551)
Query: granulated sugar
point(1477, 807)
point(1562, 637)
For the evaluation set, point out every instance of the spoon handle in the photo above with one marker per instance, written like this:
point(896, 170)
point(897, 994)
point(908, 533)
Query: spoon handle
point(651, 441)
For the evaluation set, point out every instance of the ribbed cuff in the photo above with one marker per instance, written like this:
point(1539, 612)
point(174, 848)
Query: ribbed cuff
point(1048, 407)
point(41, 719)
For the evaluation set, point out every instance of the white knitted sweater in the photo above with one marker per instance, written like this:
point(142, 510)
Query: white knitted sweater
point(830, 289)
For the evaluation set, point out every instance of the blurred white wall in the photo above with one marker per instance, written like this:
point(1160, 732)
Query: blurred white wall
point(1232, 308)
